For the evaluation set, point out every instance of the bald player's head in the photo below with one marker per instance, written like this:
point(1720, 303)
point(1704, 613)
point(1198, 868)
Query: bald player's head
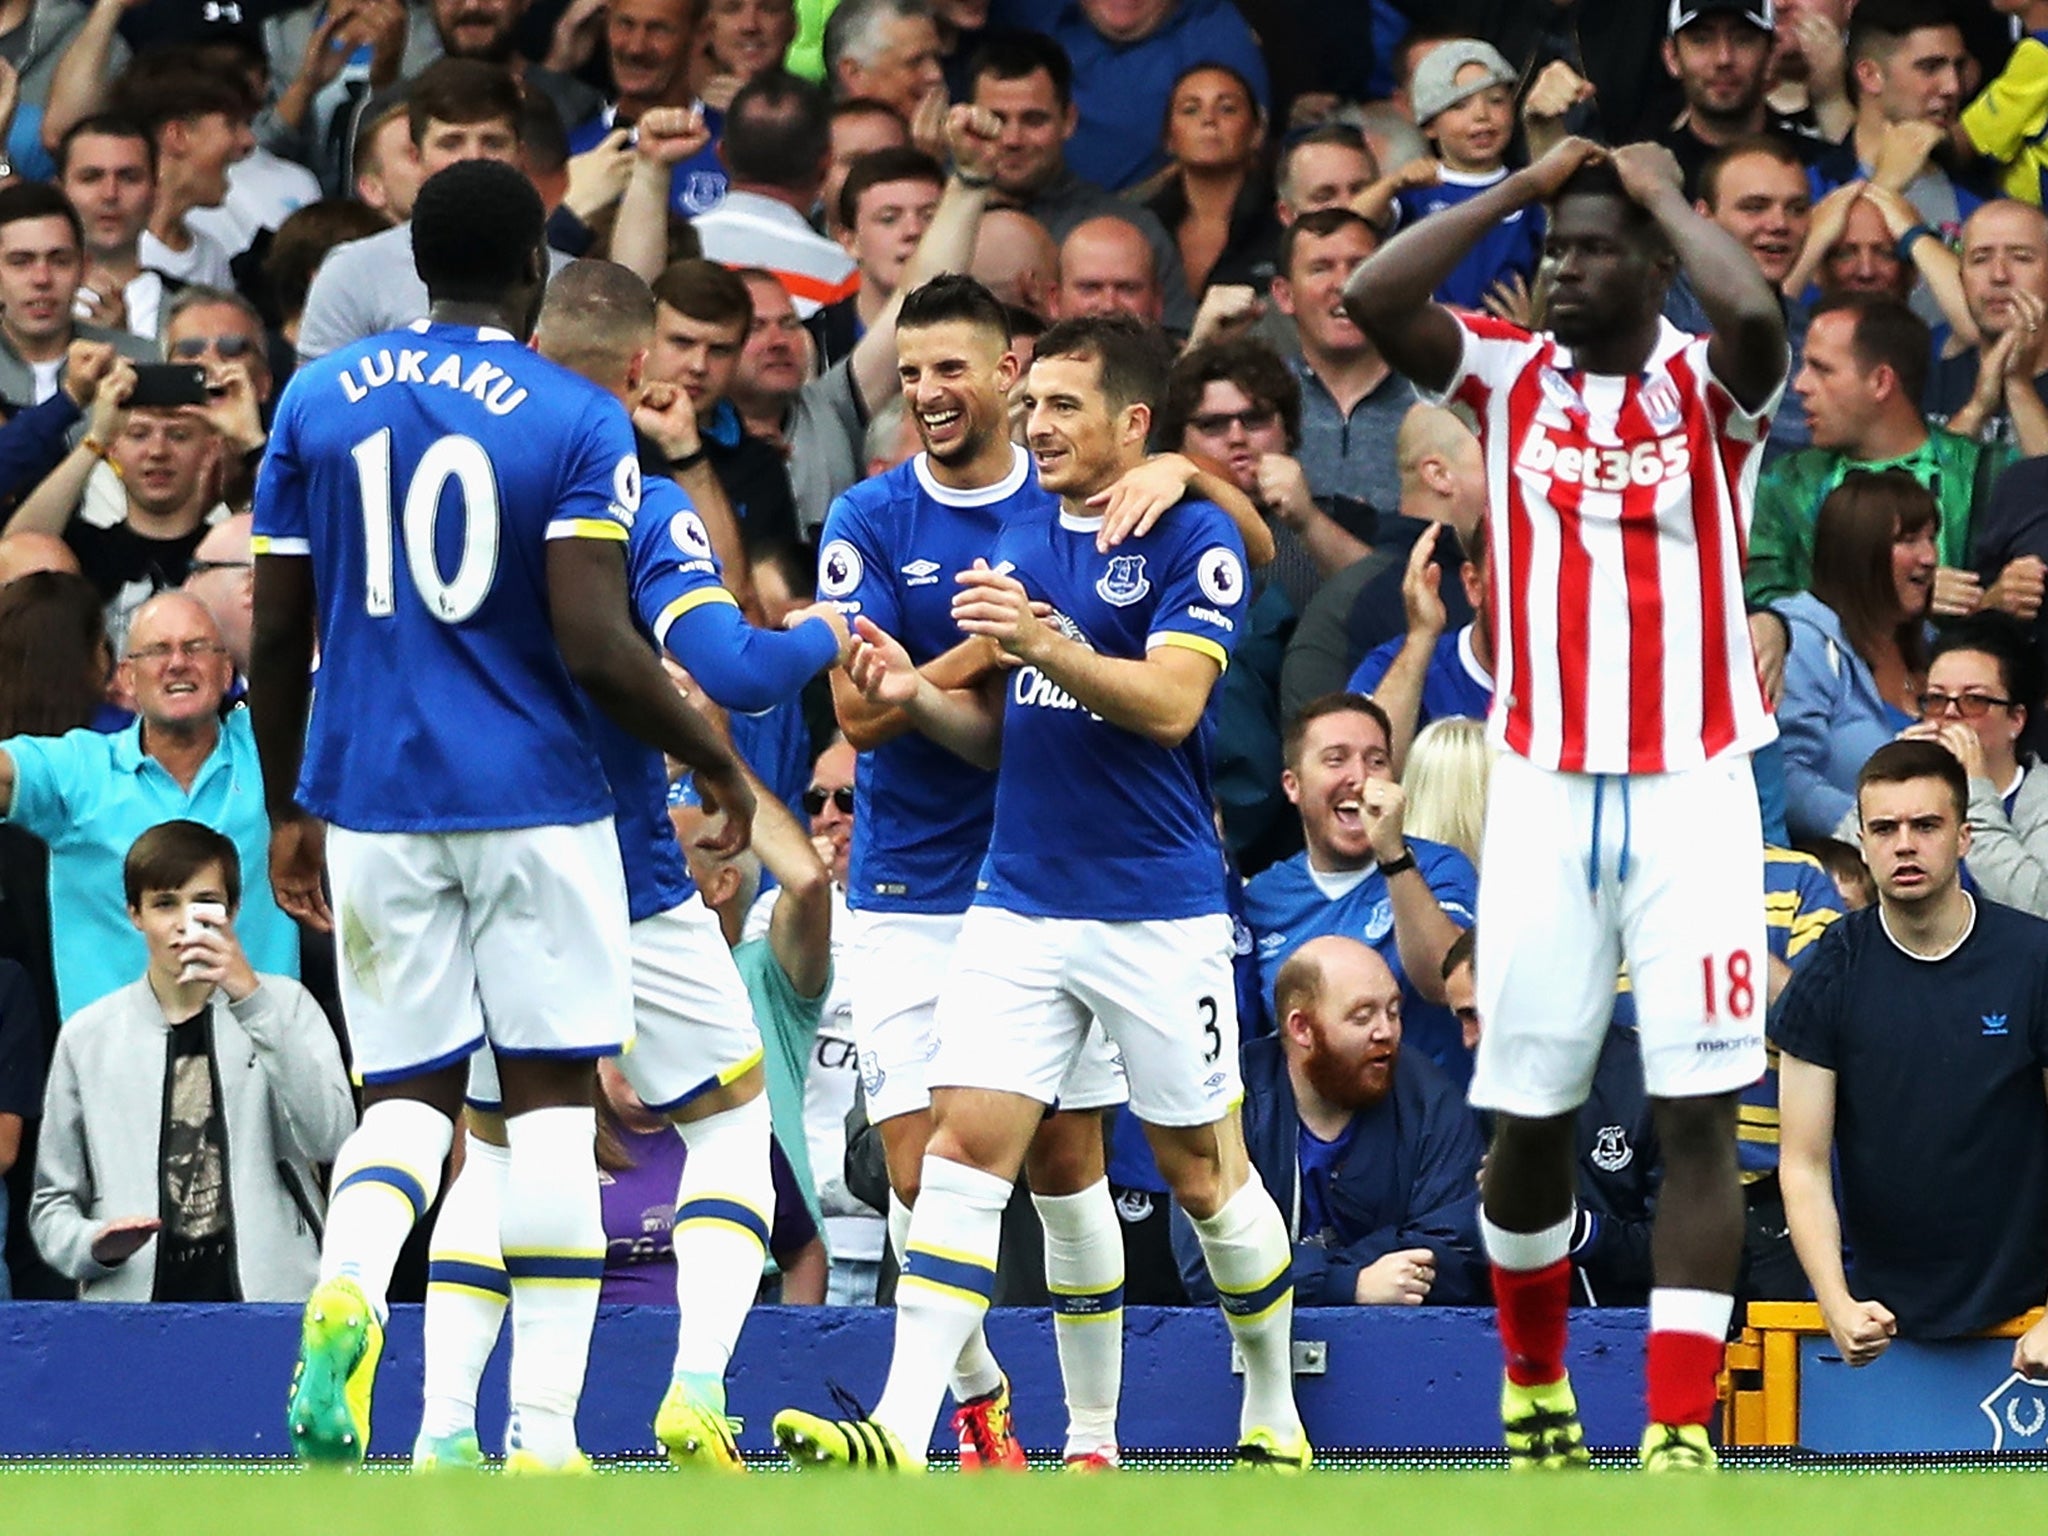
point(1107, 268)
point(597, 320)
point(1016, 259)
point(23, 553)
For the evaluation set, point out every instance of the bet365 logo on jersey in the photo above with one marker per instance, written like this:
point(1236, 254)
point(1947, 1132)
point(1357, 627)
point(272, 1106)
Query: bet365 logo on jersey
point(1606, 469)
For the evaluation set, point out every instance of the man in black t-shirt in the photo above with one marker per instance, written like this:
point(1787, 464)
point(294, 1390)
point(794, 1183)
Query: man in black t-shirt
point(1719, 52)
point(1912, 1047)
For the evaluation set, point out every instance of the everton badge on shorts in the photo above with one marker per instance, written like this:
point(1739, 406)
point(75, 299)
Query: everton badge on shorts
point(1124, 582)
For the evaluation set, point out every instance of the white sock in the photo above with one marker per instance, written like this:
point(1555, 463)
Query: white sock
point(949, 1273)
point(553, 1232)
point(385, 1177)
point(1251, 1261)
point(976, 1373)
point(1084, 1270)
point(466, 1290)
point(725, 1205)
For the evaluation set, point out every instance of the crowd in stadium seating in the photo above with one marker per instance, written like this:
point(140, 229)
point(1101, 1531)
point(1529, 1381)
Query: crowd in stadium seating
point(224, 186)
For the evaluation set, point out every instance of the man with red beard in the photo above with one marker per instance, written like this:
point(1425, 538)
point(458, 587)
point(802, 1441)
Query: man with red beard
point(1376, 1155)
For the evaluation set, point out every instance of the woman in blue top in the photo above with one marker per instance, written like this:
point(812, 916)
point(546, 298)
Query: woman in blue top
point(1859, 643)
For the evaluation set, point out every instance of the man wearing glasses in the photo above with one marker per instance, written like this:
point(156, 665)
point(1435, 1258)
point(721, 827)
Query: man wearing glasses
point(89, 796)
point(1983, 686)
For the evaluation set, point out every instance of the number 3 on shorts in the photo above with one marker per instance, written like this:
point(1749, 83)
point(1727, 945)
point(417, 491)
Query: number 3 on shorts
point(1212, 1032)
point(1730, 985)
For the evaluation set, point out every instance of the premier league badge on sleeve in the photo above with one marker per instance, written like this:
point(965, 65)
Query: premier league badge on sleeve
point(838, 569)
point(1221, 576)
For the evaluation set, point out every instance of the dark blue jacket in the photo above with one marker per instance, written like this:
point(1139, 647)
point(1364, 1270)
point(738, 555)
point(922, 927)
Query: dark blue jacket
point(34, 442)
point(1427, 1197)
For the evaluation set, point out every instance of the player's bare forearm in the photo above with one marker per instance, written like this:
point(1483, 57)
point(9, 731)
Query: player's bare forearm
point(866, 724)
point(1259, 548)
point(967, 722)
point(610, 661)
point(1390, 296)
point(281, 674)
point(1160, 697)
point(1749, 350)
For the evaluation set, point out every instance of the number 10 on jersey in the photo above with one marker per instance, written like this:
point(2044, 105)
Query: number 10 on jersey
point(457, 458)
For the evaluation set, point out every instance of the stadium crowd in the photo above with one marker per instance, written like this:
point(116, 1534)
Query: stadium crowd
point(199, 198)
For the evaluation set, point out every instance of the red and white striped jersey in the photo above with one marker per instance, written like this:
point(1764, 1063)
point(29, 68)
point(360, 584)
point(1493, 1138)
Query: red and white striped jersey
point(1619, 512)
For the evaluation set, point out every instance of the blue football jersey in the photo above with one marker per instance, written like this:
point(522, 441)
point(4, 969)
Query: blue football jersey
point(891, 548)
point(1454, 685)
point(1288, 904)
point(1510, 248)
point(424, 472)
point(1092, 820)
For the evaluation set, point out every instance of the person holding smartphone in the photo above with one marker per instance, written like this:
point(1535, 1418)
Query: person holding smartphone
point(185, 1111)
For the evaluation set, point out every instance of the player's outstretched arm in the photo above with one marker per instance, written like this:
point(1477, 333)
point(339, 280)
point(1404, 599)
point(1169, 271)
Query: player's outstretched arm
point(1749, 352)
point(1160, 696)
point(866, 724)
point(1389, 296)
point(591, 612)
point(966, 720)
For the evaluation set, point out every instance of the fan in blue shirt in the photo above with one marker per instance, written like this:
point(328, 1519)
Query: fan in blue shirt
point(1406, 897)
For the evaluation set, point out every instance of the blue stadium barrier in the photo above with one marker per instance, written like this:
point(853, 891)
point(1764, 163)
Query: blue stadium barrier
point(127, 1380)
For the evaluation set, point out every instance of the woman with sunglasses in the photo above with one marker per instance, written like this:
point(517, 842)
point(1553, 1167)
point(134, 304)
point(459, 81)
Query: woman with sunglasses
point(1982, 689)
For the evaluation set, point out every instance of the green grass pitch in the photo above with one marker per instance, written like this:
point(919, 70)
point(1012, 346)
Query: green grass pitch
point(210, 1502)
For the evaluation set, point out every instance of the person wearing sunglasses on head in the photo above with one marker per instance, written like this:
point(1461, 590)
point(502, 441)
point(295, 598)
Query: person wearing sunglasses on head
point(1983, 685)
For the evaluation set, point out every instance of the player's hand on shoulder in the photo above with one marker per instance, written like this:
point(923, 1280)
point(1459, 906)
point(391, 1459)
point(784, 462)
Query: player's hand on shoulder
point(1132, 507)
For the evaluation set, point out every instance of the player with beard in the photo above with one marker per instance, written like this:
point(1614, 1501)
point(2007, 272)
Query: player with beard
point(892, 547)
point(1622, 456)
point(1373, 1150)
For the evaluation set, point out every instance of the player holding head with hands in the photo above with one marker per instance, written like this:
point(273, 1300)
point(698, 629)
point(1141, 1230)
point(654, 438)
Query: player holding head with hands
point(1621, 458)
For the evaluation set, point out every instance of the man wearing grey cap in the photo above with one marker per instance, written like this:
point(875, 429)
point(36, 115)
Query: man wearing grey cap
point(1719, 52)
point(1463, 94)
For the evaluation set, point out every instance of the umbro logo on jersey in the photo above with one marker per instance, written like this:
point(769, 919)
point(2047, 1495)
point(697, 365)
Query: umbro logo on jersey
point(1995, 1024)
point(922, 573)
point(1124, 583)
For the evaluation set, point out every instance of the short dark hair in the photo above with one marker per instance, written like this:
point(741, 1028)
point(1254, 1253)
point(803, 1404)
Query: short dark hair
point(463, 91)
point(1342, 702)
point(1876, 27)
point(1343, 135)
point(302, 242)
point(1599, 178)
point(1321, 224)
point(2007, 641)
point(1885, 332)
point(171, 853)
point(705, 291)
point(954, 296)
point(21, 200)
point(778, 131)
point(1245, 361)
point(1131, 357)
point(543, 138)
point(1770, 146)
point(477, 227)
point(105, 125)
point(1020, 55)
point(863, 106)
point(1901, 762)
point(898, 162)
point(168, 85)
point(1463, 951)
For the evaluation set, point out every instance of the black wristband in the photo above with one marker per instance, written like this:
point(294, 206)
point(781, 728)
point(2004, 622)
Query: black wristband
point(973, 183)
point(688, 461)
point(1399, 866)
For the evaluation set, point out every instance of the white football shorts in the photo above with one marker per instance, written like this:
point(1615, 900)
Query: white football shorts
point(1581, 872)
point(446, 939)
point(896, 965)
point(693, 1022)
point(1016, 1009)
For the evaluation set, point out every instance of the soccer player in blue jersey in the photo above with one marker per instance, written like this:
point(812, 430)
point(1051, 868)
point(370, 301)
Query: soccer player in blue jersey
point(892, 549)
point(697, 1054)
point(1102, 893)
point(452, 510)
